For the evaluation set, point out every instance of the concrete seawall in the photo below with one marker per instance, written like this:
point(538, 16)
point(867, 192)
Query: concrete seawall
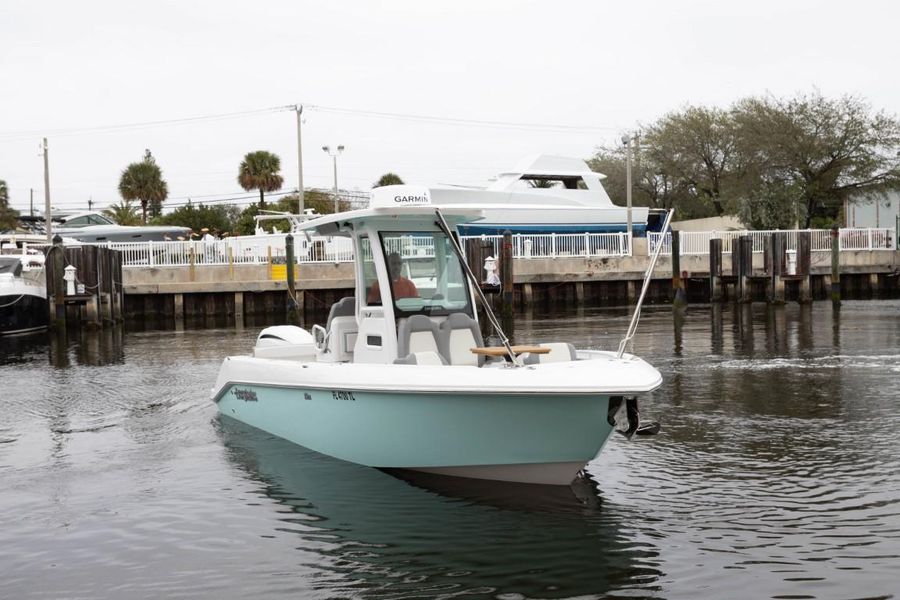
point(231, 292)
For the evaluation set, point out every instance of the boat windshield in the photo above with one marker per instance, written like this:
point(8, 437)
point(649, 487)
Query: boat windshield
point(426, 274)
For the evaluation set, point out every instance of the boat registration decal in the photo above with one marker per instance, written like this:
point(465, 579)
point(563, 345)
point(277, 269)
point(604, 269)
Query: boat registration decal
point(245, 395)
point(342, 395)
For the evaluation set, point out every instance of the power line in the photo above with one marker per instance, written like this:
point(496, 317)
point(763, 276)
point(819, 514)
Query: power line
point(458, 121)
point(98, 129)
point(10, 135)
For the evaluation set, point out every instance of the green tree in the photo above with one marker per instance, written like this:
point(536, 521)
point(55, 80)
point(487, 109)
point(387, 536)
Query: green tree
point(8, 216)
point(388, 179)
point(143, 181)
point(123, 213)
point(697, 148)
point(198, 217)
point(816, 152)
point(259, 171)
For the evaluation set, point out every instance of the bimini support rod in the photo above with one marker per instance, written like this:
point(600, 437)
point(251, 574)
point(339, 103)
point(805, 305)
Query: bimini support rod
point(477, 285)
point(632, 327)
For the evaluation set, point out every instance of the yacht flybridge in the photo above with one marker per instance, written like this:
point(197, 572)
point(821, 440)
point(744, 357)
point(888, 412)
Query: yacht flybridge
point(545, 194)
point(399, 377)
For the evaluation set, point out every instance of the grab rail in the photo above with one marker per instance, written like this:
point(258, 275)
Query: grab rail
point(632, 327)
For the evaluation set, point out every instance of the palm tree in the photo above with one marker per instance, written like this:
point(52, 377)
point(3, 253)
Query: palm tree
point(8, 216)
point(143, 181)
point(123, 214)
point(388, 179)
point(259, 171)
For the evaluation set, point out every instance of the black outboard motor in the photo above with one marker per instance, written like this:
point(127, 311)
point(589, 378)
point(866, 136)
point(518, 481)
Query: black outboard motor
point(632, 416)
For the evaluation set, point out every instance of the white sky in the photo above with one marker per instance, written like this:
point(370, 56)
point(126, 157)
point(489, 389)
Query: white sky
point(601, 66)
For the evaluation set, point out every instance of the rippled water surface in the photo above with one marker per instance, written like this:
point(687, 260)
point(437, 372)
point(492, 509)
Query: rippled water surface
point(776, 475)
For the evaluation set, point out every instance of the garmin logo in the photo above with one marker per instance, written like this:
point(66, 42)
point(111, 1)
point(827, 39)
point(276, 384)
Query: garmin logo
point(411, 200)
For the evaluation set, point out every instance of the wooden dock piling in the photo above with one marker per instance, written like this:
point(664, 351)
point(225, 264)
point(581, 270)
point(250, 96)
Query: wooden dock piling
point(715, 270)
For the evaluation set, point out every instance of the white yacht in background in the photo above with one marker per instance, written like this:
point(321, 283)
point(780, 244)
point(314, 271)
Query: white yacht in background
point(544, 194)
point(94, 227)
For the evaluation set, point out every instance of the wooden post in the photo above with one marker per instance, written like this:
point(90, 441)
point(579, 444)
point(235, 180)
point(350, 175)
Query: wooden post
point(778, 247)
point(527, 294)
point(835, 267)
point(238, 309)
point(231, 262)
point(293, 311)
point(193, 261)
point(679, 295)
point(804, 266)
point(88, 276)
point(506, 281)
point(745, 268)
point(715, 270)
point(179, 312)
point(631, 291)
point(55, 263)
point(579, 293)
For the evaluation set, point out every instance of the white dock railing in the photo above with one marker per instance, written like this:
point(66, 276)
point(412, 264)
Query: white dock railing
point(263, 249)
point(697, 242)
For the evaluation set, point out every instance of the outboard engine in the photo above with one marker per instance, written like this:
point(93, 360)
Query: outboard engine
point(286, 342)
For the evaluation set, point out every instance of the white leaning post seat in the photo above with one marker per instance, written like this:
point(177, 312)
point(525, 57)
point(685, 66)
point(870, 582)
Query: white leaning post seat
point(421, 358)
point(340, 325)
point(415, 334)
point(559, 352)
point(459, 334)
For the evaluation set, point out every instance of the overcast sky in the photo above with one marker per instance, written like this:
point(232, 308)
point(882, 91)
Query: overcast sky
point(585, 72)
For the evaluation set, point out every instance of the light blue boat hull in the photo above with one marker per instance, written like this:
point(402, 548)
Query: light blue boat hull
point(426, 431)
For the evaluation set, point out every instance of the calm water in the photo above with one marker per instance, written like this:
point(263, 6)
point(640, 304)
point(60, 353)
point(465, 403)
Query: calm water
point(776, 475)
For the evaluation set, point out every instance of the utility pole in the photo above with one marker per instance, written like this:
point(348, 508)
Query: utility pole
point(31, 202)
point(47, 219)
point(300, 192)
point(626, 139)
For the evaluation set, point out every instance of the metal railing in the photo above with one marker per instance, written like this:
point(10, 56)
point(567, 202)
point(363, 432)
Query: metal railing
point(697, 242)
point(263, 249)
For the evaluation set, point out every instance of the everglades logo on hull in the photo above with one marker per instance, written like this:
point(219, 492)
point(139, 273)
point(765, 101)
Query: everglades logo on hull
point(245, 395)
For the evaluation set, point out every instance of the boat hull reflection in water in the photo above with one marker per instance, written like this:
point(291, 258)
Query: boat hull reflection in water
point(442, 536)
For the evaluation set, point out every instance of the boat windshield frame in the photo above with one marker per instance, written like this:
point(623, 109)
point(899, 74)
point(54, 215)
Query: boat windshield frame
point(430, 266)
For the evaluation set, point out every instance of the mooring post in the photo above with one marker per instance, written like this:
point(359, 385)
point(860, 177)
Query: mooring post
point(56, 261)
point(745, 243)
point(506, 281)
point(804, 266)
point(239, 310)
point(778, 246)
point(715, 270)
point(679, 294)
point(835, 266)
point(293, 315)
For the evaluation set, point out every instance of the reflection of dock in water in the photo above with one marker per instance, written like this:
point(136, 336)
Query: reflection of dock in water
point(440, 534)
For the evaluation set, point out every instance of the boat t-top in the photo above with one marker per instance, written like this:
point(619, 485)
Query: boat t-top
point(399, 377)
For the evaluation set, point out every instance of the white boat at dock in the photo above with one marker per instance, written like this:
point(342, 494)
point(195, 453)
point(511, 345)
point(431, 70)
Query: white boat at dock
point(542, 194)
point(399, 377)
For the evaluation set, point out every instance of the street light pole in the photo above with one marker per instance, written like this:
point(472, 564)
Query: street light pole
point(334, 155)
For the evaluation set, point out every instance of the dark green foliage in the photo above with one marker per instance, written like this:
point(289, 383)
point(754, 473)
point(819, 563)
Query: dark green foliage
point(772, 162)
point(8, 216)
point(388, 179)
point(123, 214)
point(143, 181)
point(198, 217)
point(259, 171)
